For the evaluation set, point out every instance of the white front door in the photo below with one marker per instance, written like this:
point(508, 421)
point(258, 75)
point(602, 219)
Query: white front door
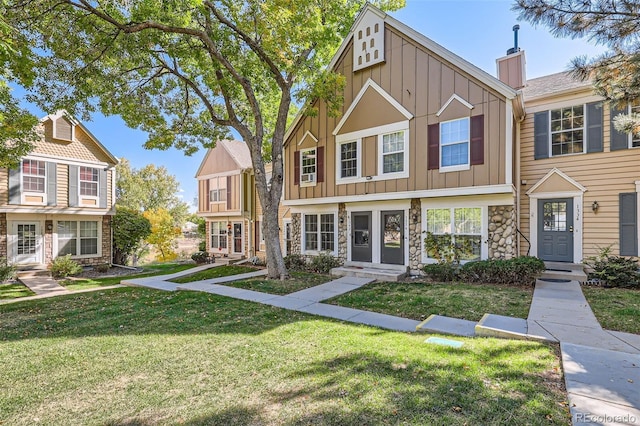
point(28, 242)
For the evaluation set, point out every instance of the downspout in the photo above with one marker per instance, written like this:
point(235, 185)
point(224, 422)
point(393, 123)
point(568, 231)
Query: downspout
point(519, 121)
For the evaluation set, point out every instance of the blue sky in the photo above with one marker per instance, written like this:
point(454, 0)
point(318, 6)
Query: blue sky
point(479, 31)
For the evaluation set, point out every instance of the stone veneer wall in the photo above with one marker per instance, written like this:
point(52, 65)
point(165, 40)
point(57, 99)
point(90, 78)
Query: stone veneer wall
point(415, 236)
point(342, 232)
point(502, 232)
point(296, 224)
point(3, 235)
point(48, 242)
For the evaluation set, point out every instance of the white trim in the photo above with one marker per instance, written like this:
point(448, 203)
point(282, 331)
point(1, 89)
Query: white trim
point(370, 83)
point(432, 193)
point(85, 210)
point(224, 174)
point(62, 160)
point(54, 236)
point(318, 213)
point(577, 197)
point(393, 175)
point(226, 237)
point(307, 133)
point(233, 237)
point(446, 104)
point(24, 193)
point(509, 160)
point(557, 171)
point(455, 167)
point(313, 182)
point(339, 179)
point(285, 222)
point(12, 240)
point(373, 131)
point(98, 183)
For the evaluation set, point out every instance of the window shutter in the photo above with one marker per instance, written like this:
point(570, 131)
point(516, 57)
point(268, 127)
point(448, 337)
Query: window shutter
point(477, 140)
point(433, 146)
point(73, 186)
point(257, 235)
point(207, 196)
point(51, 170)
point(320, 164)
point(229, 200)
point(296, 168)
point(102, 182)
point(629, 224)
point(619, 140)
point(594, 127)
point(14, 186)
point(541, 134)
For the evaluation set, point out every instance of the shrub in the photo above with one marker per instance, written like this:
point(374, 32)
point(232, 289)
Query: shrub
point(520, 270)
point(7, 271)
point(64, 266)
point(202, 245)
point(444, 249)
point(323, 263)
point(200, 257)
point(614, 271)
point(442, 271)
point(295, 262)
point(102, 267)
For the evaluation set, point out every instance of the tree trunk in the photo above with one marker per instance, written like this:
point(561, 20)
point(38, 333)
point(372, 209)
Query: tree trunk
point(271, 228)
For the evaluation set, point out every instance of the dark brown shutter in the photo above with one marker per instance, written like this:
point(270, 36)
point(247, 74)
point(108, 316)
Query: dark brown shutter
point(229, 200)
point(320, 164)
point(207, 200)
point(257, 235)
point(296, 168)
point(433, 146)
point(477, 139)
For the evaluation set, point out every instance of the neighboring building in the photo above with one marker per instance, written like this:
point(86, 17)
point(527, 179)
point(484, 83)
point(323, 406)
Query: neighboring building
point(579, 177)
point(425, 142)
point(61, 199)
point(228, 201)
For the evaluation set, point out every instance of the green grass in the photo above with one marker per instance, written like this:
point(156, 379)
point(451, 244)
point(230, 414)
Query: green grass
point(615, 308)
point(216, 272)
point(298, 281)
point(150, 270)
point(14, 291)
point(132, 356)
point(418, 300)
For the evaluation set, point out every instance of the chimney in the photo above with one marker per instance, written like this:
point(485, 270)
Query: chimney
point(511, 68)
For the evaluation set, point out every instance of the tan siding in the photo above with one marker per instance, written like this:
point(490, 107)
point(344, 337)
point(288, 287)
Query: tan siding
point(218, 161)
point(63, 129)
point(364, 117)
point(4, 186)
point(62, 172)
point(81, 148)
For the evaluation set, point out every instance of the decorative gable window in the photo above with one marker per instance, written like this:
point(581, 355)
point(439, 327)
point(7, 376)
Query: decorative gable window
point(308, 166)
point(568, 130)
point(33, 176)
point(454, 144)
point(89, 179)
point(393, 153)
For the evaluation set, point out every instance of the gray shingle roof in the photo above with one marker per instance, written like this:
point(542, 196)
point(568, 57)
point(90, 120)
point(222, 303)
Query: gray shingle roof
point(239, 151)
point(550, 84)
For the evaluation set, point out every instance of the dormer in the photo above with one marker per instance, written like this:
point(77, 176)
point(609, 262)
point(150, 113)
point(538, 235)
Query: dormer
point(63, 126)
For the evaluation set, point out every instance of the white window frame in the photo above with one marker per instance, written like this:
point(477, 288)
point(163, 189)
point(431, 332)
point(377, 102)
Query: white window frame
point(217, 191)
point(24, 192)
point(631, 108)
point(318, 248)
point(97, 183)
point(312, 178)
point(405, 151)
point(456, 167)
point(222, 232)
point(583, 128)
point(357, 177)
point(79, 239)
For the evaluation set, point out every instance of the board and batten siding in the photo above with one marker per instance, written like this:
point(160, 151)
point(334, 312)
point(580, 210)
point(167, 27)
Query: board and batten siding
point(604, 174)
point(422, 83)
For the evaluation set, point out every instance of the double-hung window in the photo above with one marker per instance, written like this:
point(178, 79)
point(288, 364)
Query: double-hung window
point(218, 235)
point(393, 153)
point(349, 159)
point(89, 181)
point(308, 166)
point(461, 226)
point(78, 238)
point(319, 232)
point(33, 176)
point(454, 144)
point(567, 130)
point(218, 190)
point(635, 139)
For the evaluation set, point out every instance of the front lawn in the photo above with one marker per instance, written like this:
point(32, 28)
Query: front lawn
point(134, 356)
point(298, 281)
point(215, 272)
point(14, 291)
point(615, 308)
point(418, 300)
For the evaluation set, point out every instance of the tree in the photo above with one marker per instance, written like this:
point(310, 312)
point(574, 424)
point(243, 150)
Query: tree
point(130, 228)
point(188, 71)
point(615, 24)
point(149, 188)
point(163, 233)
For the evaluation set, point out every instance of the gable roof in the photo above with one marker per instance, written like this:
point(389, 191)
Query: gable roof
point(76, 122)
point(554, 84)
point(426, 42)
point(237, 150)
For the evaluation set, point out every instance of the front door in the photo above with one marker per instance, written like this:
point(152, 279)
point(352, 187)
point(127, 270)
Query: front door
point(28, 243)
point(237, 237)
point(361, 237)
point(555, 230)
point(392, 233)
point(287, 238)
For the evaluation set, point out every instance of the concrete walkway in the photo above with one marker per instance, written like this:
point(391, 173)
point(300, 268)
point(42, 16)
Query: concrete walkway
point(43, 285)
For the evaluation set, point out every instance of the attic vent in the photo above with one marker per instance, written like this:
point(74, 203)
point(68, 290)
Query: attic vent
point(369, 50)
point(63, 129)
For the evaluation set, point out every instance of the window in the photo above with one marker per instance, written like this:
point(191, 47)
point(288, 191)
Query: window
point(567, 130)
point(88, 181)
point(635, 139)
point(454, 143)
point(218, 190)
point(33, 176)
point(349, 159)
point(319, 232)
point(78, 238)
point(308, 166)
point(393, 153)
point(463, 226)
point(218, 235)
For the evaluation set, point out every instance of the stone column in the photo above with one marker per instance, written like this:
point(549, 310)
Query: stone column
point(296, 233)
point(3, 236)
point(415, 236)
point(48, 242)
point(502, 232)
point(342, 232)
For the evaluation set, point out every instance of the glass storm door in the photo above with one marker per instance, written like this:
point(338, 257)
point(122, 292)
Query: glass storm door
point(237, 237)
point(287, 238)
point(27, 243)
point(361, 237)
point(555, 230)
point(392, 232)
